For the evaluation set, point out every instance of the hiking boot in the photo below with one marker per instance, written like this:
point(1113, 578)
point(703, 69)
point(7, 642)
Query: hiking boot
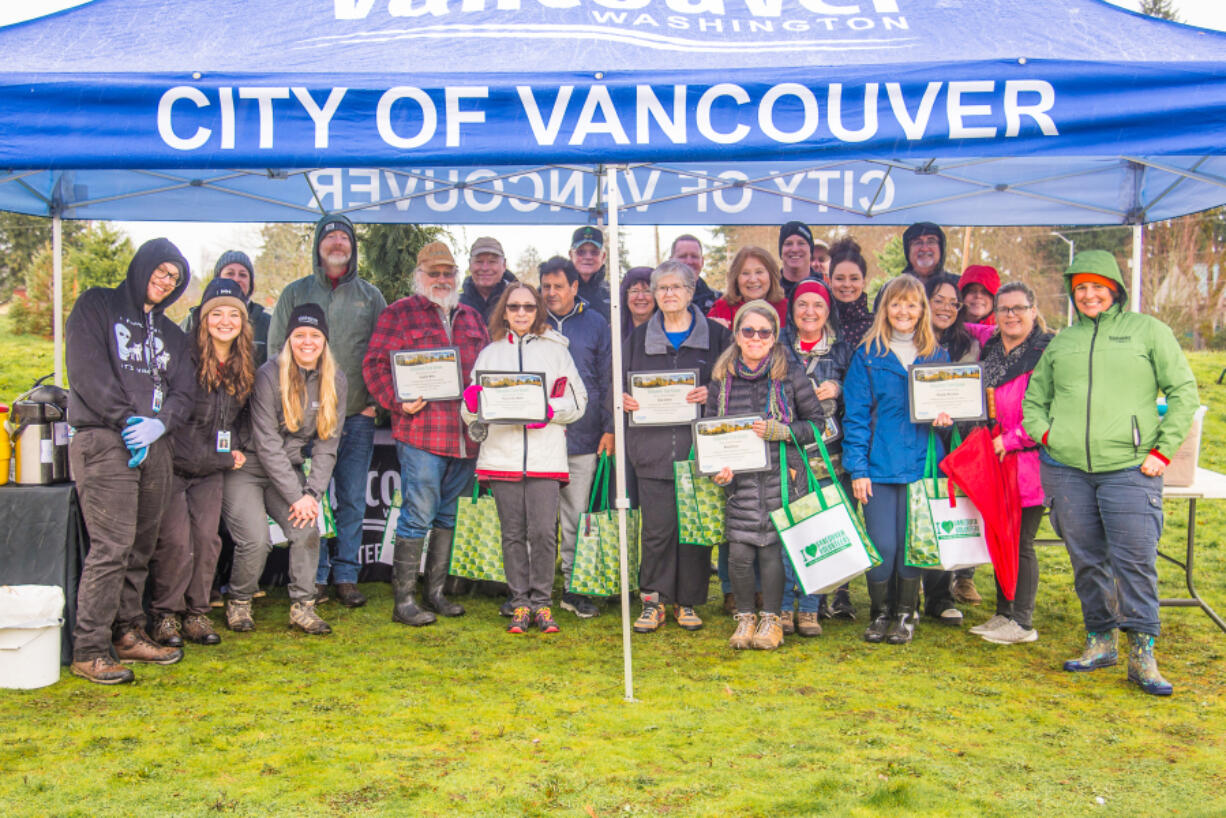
point(769, 634)
point(730, 604)
point(347, 594)
point(134, 645)
point(521, 620)
point(579, 605)
point(405, 559)
point(787, 620)
point(842, 608)
point(964, 591)
point(197, 628)
point(167, 631)
point(742, 637)
point(650, 619)
point(321, 593)
point(992, 624)
point(507, 608)
point(1099, 652)
point(544, 620)
point(302, 615)
point(215, 599)
point(879, 612)
point(687, 618)
point(238, 615)
point(1143, 667)
point(808, 624)
point(438, 560)
point(948, 615)
point(1010, 633)
point(103, 671)
point(902, 626)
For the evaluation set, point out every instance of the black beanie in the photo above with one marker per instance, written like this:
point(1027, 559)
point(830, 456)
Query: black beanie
point(222, 291)
point(307, 315)
point(795, 229)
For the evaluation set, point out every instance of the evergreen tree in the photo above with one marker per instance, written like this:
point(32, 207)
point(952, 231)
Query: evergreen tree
point(389, 255)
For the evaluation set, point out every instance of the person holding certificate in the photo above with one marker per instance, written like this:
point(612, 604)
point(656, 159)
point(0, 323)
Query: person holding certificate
point(884, 451)
point(676, 337)
point(756, 377)
point(524, 460)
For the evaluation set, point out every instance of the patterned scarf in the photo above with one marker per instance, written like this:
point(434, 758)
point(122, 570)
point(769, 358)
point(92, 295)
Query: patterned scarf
point(777, 406)
point(855, 318)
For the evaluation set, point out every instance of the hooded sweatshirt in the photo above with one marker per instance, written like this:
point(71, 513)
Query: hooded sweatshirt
point(924, 229)
point(1092, 400)
point(352, 308)
point(118, 355)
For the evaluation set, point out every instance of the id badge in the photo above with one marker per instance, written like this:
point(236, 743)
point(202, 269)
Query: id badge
point(157, 400)
point(223, 442)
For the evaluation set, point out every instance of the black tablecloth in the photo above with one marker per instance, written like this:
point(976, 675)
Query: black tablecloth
point(43, 542)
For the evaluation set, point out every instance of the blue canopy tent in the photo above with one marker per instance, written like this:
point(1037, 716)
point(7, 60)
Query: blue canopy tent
point(615, 111)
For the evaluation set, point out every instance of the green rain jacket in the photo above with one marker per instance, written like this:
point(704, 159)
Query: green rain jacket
point(352, 309)
point(1094, 392)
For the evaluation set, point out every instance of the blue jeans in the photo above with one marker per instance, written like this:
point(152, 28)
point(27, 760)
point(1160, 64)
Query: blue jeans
point(350, 477)
point(1110, 523)
point(885, 518)
point(430, 487)
point(809, 603)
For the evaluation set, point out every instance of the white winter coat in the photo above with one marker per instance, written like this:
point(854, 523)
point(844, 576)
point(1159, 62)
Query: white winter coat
point(514, 452)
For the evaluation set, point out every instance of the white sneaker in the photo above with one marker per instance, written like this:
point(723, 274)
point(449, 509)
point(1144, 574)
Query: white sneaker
point(992, 624)
point(1010, 633)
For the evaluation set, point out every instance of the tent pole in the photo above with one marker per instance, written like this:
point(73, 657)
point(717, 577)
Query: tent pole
point(1134, 297)
point(57, 306)
point(609, 172)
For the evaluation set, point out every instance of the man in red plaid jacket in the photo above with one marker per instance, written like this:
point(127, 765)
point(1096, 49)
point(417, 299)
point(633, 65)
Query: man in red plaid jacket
point(436, 454)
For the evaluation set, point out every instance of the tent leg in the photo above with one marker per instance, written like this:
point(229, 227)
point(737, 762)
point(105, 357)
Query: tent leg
point(1134, 296)
point(57, 316)
point(619, 441)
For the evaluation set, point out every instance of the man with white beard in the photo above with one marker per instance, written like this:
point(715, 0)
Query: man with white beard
point(436, 454)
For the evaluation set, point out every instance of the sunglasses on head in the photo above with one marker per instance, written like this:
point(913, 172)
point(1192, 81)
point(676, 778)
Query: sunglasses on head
point(750, 332)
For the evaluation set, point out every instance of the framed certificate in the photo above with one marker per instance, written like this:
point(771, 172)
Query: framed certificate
point(511, 397)
point(956, 389)
point(661, 397)
point(431, 374)
point(731, 442)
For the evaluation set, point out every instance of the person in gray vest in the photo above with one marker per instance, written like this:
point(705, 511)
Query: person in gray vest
point(352, 307)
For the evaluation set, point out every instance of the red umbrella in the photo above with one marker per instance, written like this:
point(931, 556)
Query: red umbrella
point(991, 484)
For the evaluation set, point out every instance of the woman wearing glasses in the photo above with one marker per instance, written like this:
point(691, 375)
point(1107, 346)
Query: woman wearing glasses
point(755, 376)
point(637, 298)
point(525, 464)
point(678, 336)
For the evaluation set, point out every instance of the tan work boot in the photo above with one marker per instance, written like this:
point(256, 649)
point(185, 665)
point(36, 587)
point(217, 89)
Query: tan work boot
point(964, 591)
point(788, 621)
point(687, 618)
point(134, 645)
point(238, 615)
point(742, 637)
point(808, 624)
point(302, 615)
point(197, 628)
point(769, 634)
point(103, 671)
point(650, 619)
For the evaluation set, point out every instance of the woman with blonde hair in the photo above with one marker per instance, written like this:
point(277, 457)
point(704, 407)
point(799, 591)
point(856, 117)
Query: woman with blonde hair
point(883, 450)
point(753, 275)
point(296, 407)
point(756, 376)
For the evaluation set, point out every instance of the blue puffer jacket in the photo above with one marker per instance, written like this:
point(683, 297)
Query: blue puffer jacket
point(879, 440)
point(590, 347)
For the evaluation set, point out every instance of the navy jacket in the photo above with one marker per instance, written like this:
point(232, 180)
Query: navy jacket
point(590, 348)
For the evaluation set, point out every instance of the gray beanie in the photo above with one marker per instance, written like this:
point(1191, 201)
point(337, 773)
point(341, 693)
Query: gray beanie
point(236, 257)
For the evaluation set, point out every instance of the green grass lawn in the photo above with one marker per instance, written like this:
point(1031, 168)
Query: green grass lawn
point(462, 719)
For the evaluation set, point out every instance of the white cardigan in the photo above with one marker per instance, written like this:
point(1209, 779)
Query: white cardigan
point(514, 452)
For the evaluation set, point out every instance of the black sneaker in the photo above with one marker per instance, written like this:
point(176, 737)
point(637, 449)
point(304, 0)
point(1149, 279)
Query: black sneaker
point(842, 607)
point(579, 605)
point(545, 621)
point(521, 620)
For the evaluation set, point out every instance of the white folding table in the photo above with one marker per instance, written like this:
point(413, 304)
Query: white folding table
point(1208, 485)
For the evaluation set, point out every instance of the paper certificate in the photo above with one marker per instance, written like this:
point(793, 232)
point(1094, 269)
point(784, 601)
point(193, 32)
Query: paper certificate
point(511, 397)
point(432, 374)
point(955, 389)
point(661, 397)
point(731, 442)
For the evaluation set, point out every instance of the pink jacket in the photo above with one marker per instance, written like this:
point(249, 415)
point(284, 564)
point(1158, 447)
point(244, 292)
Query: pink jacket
point(1009, 415)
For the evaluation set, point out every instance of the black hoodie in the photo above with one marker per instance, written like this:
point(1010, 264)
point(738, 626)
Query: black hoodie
point(110, 339)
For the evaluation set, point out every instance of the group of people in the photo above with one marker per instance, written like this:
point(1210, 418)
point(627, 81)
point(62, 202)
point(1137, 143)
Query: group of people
point(248, 416)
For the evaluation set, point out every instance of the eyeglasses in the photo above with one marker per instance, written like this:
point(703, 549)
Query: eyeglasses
point(926, 241)
point(521, 308)
point(1014, 310)
point(170, 278)
point(671, 288)
point(439, 273)
point(587, 251)
point(946, 302)
point(749, 332)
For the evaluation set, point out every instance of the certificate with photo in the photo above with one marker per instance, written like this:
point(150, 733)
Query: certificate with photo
point(731, 442)
point(429, 374)
point(661, 397)
point(511, 397)
point(955, 389)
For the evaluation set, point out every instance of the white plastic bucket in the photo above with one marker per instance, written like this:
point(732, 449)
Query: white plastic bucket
point(30, 622)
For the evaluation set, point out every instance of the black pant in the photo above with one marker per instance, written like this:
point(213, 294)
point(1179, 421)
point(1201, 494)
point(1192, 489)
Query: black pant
point(1021, 609)
point(938, 591)
point(678, 573)
point(123, 510)
point(769, 559)
point(182, 566)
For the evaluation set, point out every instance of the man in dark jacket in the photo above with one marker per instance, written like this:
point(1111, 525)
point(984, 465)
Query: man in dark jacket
point(591, 435)
point(587, 256)
point(488, 276)
point(688, 250)
point(351, 306)
point(132, 382)
point(924, 245)
point(237, 267)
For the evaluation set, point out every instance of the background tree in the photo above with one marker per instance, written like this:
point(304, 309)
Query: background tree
point(389, 254)
point(21, 237)
point(1164, 9)
point(285, 256)
point(528, 267)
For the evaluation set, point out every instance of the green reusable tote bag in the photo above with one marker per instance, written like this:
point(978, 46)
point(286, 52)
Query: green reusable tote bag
point(822, 537)
point(597, 567)
point(700, 505)
point(476, 552)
